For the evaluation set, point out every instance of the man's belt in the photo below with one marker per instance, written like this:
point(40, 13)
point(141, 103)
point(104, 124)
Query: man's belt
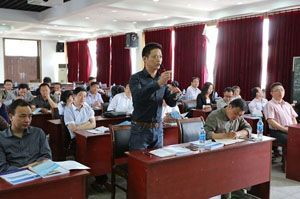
point(147, 125)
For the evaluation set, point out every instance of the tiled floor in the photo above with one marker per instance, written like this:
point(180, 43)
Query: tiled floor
point(281, 188)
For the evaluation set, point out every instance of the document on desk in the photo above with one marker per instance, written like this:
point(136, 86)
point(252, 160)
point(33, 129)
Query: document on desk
point(229, 141)
point(19, 177)
point(72, 165)
point(98, 130)
point(171, 151)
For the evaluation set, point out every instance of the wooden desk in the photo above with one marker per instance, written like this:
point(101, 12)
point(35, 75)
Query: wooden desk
point(71, 185)
point(57, 135)
point(201, 175)
point(95, 150)
point(293, 153)
point(200, 113)
point(40, 120)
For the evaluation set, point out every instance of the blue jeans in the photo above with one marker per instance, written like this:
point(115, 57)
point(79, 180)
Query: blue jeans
point(143, 138)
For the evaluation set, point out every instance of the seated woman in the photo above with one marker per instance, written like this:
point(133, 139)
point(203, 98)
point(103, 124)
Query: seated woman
point(206, 98)
point(122, 102)
point(66, 100)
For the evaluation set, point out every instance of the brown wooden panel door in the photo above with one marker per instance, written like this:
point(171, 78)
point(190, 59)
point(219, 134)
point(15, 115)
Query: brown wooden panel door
point(21, 69)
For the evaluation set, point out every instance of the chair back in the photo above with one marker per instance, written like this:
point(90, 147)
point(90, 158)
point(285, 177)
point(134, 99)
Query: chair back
point(120, 140)
point(188, 105)
point(189, 129)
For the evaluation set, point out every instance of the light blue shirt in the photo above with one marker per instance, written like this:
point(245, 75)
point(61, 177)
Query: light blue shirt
point(74, 115)
point(91, 99)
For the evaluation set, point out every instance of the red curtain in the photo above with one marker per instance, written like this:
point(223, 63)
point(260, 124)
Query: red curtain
point(120, 60)
point(284, 44)
point(239, 55)
point(163, 37)
point(103, 60)
point(190, 54)
point(84, 61)
point(72, 53)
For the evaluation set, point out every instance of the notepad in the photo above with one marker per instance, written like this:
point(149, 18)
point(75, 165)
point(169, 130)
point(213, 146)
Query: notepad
point(229, 141)
point(20, 176)
point(171, 151)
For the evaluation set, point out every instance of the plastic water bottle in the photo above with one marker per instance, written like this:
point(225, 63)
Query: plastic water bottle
point(260, 129)
point(202, 137)
point(74, 85)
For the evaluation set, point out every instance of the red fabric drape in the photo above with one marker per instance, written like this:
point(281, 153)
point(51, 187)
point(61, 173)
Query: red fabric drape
point(190, 54)
point(120, 60)
point(103, 60)
point(284, 44)
point(163, 37)
point(239, 55)
point(72, 53)
point(84, 61)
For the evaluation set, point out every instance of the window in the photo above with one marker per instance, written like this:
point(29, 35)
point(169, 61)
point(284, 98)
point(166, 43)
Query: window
point(92, 47)
point(265, 52)
point(211, 33)
point(18, 47)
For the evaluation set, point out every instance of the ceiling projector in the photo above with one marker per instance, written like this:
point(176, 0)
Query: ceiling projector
point(48, 3)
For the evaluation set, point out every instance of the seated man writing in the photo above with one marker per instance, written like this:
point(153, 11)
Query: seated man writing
point(227, 122)
point(21, 144)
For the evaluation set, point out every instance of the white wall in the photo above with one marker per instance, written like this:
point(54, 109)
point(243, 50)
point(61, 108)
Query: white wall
point(49, 60)
point(1, 61)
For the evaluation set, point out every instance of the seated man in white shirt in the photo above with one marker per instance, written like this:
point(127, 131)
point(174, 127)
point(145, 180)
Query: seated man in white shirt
point(122, 102)
point(227, 97)
point(79, 116)
point(193, 91)
point(257, 105)
point(94, 98)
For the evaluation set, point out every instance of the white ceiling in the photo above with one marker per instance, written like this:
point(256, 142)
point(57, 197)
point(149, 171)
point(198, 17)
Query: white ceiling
point(79, 19)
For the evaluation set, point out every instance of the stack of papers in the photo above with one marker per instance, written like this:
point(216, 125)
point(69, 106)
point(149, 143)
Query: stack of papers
point(208, 145)
point(99, 130)
point(171, 151)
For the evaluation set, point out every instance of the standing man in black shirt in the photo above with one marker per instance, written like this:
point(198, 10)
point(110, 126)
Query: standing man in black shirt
point(149, 89)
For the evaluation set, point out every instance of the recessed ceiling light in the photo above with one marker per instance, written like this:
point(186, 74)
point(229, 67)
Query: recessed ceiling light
point(114, 11)
point(189, 5)
point(166, 17)
point(55, 25)
point(156, 0)
point(47, 28)
point(148, 19)
point(144, 14)
point(115, 20)
point(240, 3)
point(3, 24)
point(87, 18)
point(134, 22)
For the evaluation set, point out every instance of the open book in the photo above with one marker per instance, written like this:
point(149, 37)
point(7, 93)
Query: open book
point(44, 169)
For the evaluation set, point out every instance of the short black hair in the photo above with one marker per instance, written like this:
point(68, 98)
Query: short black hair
point(193, 78)
point(65, 95)
point(275, 84)
point(8, 80)
point(239, 103)
point(236, 87)
point(19, 102)
point(23, 85)
point(228, 89)
point(150, 46)
point(57, 83)
point(94, 83)
point(78, 90)
point(47, 80)
point(254, 91)
point(43, 84)
point(92, 78)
